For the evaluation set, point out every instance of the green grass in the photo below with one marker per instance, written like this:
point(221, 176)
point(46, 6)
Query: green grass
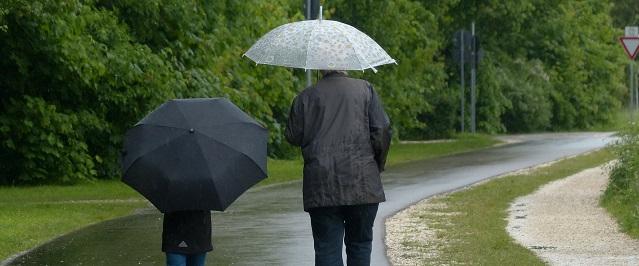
point(474, 232)
point(280, 171)
point(99, 190)
point(32, 215)
point(625, 209)
point(402, 153)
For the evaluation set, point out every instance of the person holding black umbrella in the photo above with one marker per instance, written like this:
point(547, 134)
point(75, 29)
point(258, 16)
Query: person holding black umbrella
point(188, 157)
point(344, 135)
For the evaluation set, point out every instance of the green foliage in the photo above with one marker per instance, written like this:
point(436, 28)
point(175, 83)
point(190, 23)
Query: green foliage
point(3, 27)
point(526, 87)
point(43, 144)
point(205, 41)
point(78, 67)
point(411, 34)
point(625, 13)
point(570, 42)
point(491, 102)
point(622, 194)
point(625, 174)
point(584, 63)
point(114, 61)
point(98, 66)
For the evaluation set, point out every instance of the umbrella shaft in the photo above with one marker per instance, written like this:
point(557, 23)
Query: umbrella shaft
point(309, 76)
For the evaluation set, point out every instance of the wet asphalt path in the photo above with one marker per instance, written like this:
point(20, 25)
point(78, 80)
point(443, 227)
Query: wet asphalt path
point(267, 226)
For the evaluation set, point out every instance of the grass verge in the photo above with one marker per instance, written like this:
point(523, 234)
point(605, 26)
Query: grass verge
point(31, 215)
point(469, 226)
point(621, 198)
point(625, 210)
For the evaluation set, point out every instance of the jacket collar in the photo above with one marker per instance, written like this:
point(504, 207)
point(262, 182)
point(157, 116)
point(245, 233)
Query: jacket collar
point(335, 74)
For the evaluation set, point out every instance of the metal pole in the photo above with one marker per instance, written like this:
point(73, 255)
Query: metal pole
point(636, 85)
point(462, 79)
point(473, 76)
point(631, 86)
point(309, 77)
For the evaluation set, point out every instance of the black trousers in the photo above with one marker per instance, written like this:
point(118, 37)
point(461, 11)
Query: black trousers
point(352, 225)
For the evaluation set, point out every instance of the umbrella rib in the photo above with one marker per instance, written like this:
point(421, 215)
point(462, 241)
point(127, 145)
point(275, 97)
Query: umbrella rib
point(127, 181)
point(217, 192)
point(357, 55)
point(308, 43)
point(182, 114)
point(241, 154)
point(384, 61)
point(248, 124)
point(159, 146)
point(162, 126)
point(148, 152)
point(226, 145)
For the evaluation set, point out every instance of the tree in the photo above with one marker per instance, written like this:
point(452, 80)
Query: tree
point(77, 74)
point(625, 13)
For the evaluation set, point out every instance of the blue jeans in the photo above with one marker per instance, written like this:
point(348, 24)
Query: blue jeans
point(329, 225)
point(177, 259)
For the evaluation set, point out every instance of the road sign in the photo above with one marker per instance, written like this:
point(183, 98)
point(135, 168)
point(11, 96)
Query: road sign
point(631, 45)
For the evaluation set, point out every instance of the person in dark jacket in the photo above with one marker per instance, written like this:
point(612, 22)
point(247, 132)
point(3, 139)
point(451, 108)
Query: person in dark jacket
point(186, 237)
point(344, 134)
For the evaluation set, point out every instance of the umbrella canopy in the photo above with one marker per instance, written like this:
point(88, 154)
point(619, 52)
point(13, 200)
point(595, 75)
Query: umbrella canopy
point(194, 154)
point(318, 44)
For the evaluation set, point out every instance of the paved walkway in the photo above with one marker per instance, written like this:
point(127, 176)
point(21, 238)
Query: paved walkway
point(563, 223)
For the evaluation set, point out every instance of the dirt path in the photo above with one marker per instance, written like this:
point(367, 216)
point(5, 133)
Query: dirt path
point(563, 223)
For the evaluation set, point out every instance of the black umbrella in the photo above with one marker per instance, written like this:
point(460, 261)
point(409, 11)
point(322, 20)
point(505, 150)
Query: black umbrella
point(194, 154)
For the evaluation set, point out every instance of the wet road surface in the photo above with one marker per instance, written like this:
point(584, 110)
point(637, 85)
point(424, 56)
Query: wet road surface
point(267, 226)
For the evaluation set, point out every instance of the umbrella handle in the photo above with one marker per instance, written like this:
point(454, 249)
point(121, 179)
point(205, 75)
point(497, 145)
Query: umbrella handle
point(320, 13)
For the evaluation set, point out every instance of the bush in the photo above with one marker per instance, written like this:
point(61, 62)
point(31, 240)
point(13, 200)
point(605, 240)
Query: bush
point(624, 177)
point(41, 144)
point(87, 82)
point(622, 194)
point(526, 87)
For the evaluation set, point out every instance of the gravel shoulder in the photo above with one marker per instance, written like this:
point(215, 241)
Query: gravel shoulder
point(563, 223)
point(412, 237)
point(428, 232)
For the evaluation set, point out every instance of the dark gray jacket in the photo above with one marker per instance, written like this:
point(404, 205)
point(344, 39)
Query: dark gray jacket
point(187, 232)
point(344, 133)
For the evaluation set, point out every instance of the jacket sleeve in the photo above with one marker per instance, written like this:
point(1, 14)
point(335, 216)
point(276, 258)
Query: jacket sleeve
point(295, 126)
point(379, 126)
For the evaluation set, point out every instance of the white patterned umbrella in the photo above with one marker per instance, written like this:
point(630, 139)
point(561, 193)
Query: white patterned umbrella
point(318, 44)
